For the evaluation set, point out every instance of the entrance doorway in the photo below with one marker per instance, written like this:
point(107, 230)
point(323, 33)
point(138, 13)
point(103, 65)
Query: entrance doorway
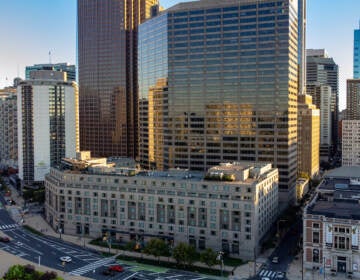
point(341, 264)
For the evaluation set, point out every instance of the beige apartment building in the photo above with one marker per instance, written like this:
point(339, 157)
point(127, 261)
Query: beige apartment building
point(308, 136)
point(229, 208)
point(332, 226)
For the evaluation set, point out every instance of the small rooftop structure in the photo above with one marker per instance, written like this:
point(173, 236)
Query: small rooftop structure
point(238, 171)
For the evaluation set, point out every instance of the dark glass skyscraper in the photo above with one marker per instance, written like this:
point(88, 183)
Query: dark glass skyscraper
point(107, 59)
point(218, 81)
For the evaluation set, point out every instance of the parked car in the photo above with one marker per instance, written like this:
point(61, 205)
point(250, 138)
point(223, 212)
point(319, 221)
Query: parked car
point(66, 259)
point(4, 239)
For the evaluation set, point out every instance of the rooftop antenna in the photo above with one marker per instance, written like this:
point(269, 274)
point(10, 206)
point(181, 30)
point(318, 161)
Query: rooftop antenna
point(49, 57)
point(18, 70)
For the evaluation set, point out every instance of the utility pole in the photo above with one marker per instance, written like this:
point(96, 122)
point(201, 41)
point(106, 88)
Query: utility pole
point(302, 264)
point(254, 260)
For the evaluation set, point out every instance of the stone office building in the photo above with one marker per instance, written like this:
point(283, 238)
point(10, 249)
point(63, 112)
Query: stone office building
point(230, 208)
point(332, 225)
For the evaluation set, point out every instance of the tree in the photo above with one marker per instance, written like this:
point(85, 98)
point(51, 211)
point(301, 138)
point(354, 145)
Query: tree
point(15, 272)
point(179, 253)
point(184, 254)
point(208, 257)
point(157, 247)
point(130, 245)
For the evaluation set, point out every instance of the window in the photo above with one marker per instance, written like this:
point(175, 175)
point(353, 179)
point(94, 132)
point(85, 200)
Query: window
point(316, 256)
point(342, 242)
point(316, 237)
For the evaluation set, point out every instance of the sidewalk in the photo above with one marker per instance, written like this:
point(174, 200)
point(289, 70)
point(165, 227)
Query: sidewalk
point(245, 271)
point(8, 260)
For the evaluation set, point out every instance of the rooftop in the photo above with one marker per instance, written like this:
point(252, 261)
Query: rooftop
point(338, 194)
point(247, 172)
point(336, 209)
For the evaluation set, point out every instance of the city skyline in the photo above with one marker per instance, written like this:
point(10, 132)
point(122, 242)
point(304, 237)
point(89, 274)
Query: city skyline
point(34, 34)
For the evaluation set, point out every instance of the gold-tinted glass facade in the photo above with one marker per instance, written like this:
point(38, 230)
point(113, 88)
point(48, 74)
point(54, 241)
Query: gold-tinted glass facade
point(232, 72)
point(107, 58)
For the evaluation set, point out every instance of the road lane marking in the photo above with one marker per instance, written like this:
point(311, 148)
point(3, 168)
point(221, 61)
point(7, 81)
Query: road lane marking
point(130, 276)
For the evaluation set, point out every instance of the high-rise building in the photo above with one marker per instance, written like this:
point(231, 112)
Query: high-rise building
point(308, 136)
point(62, 67)
point(8, 127)
point(218, 81)
point(356, 62)
point(107, 59)
point(350, 142)
point(48, 128)
point(322, 69)
point(321, 98)
point(302, 45)
point(352, 99)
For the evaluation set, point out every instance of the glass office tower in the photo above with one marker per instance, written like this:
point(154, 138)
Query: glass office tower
point(107, 59)
point(218, 81)
point(356, 65)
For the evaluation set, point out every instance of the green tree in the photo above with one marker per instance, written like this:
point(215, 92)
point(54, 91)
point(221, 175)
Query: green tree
point(15, 272)
point(185, 254)
point(157, 247)
point(208, 257)
point(130, 246)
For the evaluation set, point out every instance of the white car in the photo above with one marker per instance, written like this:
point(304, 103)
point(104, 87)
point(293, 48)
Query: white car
point(275, 260)
point(66, 259)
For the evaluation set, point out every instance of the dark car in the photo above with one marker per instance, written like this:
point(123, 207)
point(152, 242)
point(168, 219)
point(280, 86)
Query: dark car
point(4, 239)
point(108, 272)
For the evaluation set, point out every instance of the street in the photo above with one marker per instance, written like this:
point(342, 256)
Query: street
point(47, 250)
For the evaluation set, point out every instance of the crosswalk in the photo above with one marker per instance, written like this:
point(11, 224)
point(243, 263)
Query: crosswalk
point(91, 266)
point(8, 227)
point(268, 274)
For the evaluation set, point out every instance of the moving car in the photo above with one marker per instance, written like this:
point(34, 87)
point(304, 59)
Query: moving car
point(275, 260)
point(107, 271)
point(116, 267)
point(66, 259)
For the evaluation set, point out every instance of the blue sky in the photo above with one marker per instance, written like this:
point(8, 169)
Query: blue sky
point(30, 29)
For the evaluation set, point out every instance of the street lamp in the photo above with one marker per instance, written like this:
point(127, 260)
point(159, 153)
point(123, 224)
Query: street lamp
point(220, 258)
point(60, 231)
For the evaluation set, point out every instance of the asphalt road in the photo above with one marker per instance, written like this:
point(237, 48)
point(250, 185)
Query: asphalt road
point(285, 254)
point(48, 250)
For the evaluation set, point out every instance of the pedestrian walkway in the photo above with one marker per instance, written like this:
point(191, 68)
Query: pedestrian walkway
point(268, 274)
point(91, 266)
point(8, 227)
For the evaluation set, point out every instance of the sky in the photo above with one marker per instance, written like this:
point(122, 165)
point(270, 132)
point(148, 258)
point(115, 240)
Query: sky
point(31, 29)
